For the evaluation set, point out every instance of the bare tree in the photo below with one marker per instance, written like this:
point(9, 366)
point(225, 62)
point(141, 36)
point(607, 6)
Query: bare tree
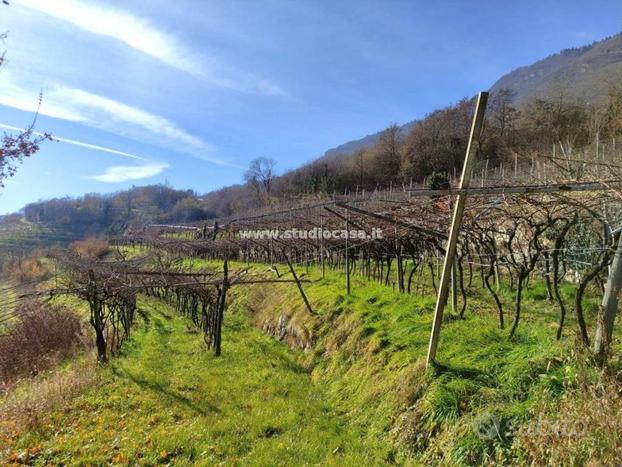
point(260, 174)
point(360, 167)
point(503, 114)
point(387, 154)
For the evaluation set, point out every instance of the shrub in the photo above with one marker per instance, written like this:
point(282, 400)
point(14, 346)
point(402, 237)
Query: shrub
point(27, 270)
point(91, 248)
point(438, 181)
point(40, 337)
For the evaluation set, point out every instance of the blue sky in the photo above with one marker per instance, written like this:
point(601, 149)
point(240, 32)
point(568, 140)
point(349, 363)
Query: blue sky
point(188, 92)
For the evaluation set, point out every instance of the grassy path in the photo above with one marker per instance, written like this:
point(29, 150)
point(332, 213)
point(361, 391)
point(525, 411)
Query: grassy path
point(168, 400)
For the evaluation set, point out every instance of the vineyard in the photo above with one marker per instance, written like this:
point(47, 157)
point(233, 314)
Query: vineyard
point(359, 282)
point(560, 223)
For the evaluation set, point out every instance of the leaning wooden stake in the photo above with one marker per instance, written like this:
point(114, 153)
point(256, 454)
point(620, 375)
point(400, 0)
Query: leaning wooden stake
point(456, 223)
point(609, 307)
point(302, 292)
point(454, 287)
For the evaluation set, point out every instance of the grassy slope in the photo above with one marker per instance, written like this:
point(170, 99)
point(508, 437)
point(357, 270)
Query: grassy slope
point(369, 349)
point(167, 399)
point(358, 394)
point(21, 236)
point(7, 305)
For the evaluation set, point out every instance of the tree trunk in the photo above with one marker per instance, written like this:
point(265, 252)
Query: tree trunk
point(517, 306)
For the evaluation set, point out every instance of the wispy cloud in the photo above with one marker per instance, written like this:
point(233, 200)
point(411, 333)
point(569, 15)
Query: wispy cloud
point(84, 104)
point(97, 147)
point(142, 35)
point(113, 174)
point(135, 32)
point(81, 144)
point(100, 112)
point(123, 173)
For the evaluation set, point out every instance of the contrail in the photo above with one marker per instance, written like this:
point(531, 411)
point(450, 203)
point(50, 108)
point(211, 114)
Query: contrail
point(82, 144)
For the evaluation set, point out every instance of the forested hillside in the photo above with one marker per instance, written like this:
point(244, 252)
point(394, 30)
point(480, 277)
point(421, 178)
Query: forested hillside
point(433, 145)
point(583, 73)
point(97, 214)
point(436, 144)
point(534, 107)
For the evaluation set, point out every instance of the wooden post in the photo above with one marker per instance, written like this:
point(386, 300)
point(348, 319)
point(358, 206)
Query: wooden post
point(456, 223)
point(322, 246)
point(347, 254)
point(454, 288)
point(609, 307)
point(302, 292)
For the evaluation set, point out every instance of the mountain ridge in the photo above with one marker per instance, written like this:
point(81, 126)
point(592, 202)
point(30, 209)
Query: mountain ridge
point(584, 73)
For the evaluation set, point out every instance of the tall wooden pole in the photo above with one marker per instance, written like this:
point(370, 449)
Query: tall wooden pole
point(450, 255)
point(609, 307)
point(322, 246)
point(454, 287)
point(347, 254)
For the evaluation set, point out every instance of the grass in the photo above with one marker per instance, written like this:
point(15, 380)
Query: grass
point(356, 390)
point(7, 298)
point(19, 236)
point(167, 400)
point(369, 349)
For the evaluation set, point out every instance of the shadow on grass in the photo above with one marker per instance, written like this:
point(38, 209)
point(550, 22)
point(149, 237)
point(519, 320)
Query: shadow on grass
point(166, 392)
point(461, 372)
point(278, 357)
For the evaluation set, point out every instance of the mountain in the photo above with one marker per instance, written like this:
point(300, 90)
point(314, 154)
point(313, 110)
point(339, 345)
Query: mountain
point(351, 146)
point(584, 73)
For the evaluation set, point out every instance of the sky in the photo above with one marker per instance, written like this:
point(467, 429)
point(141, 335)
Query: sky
point(189, 92)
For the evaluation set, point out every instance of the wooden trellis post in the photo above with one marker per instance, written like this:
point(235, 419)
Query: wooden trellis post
point(454, 287)
point(450, 254)
point(322, 246)
point(347, 255)
point(609, 306)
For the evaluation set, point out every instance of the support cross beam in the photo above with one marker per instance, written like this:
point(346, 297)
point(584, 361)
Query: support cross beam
point(416, 228)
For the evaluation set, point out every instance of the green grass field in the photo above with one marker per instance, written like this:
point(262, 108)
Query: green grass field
point(358, 392)
point(166, 399)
